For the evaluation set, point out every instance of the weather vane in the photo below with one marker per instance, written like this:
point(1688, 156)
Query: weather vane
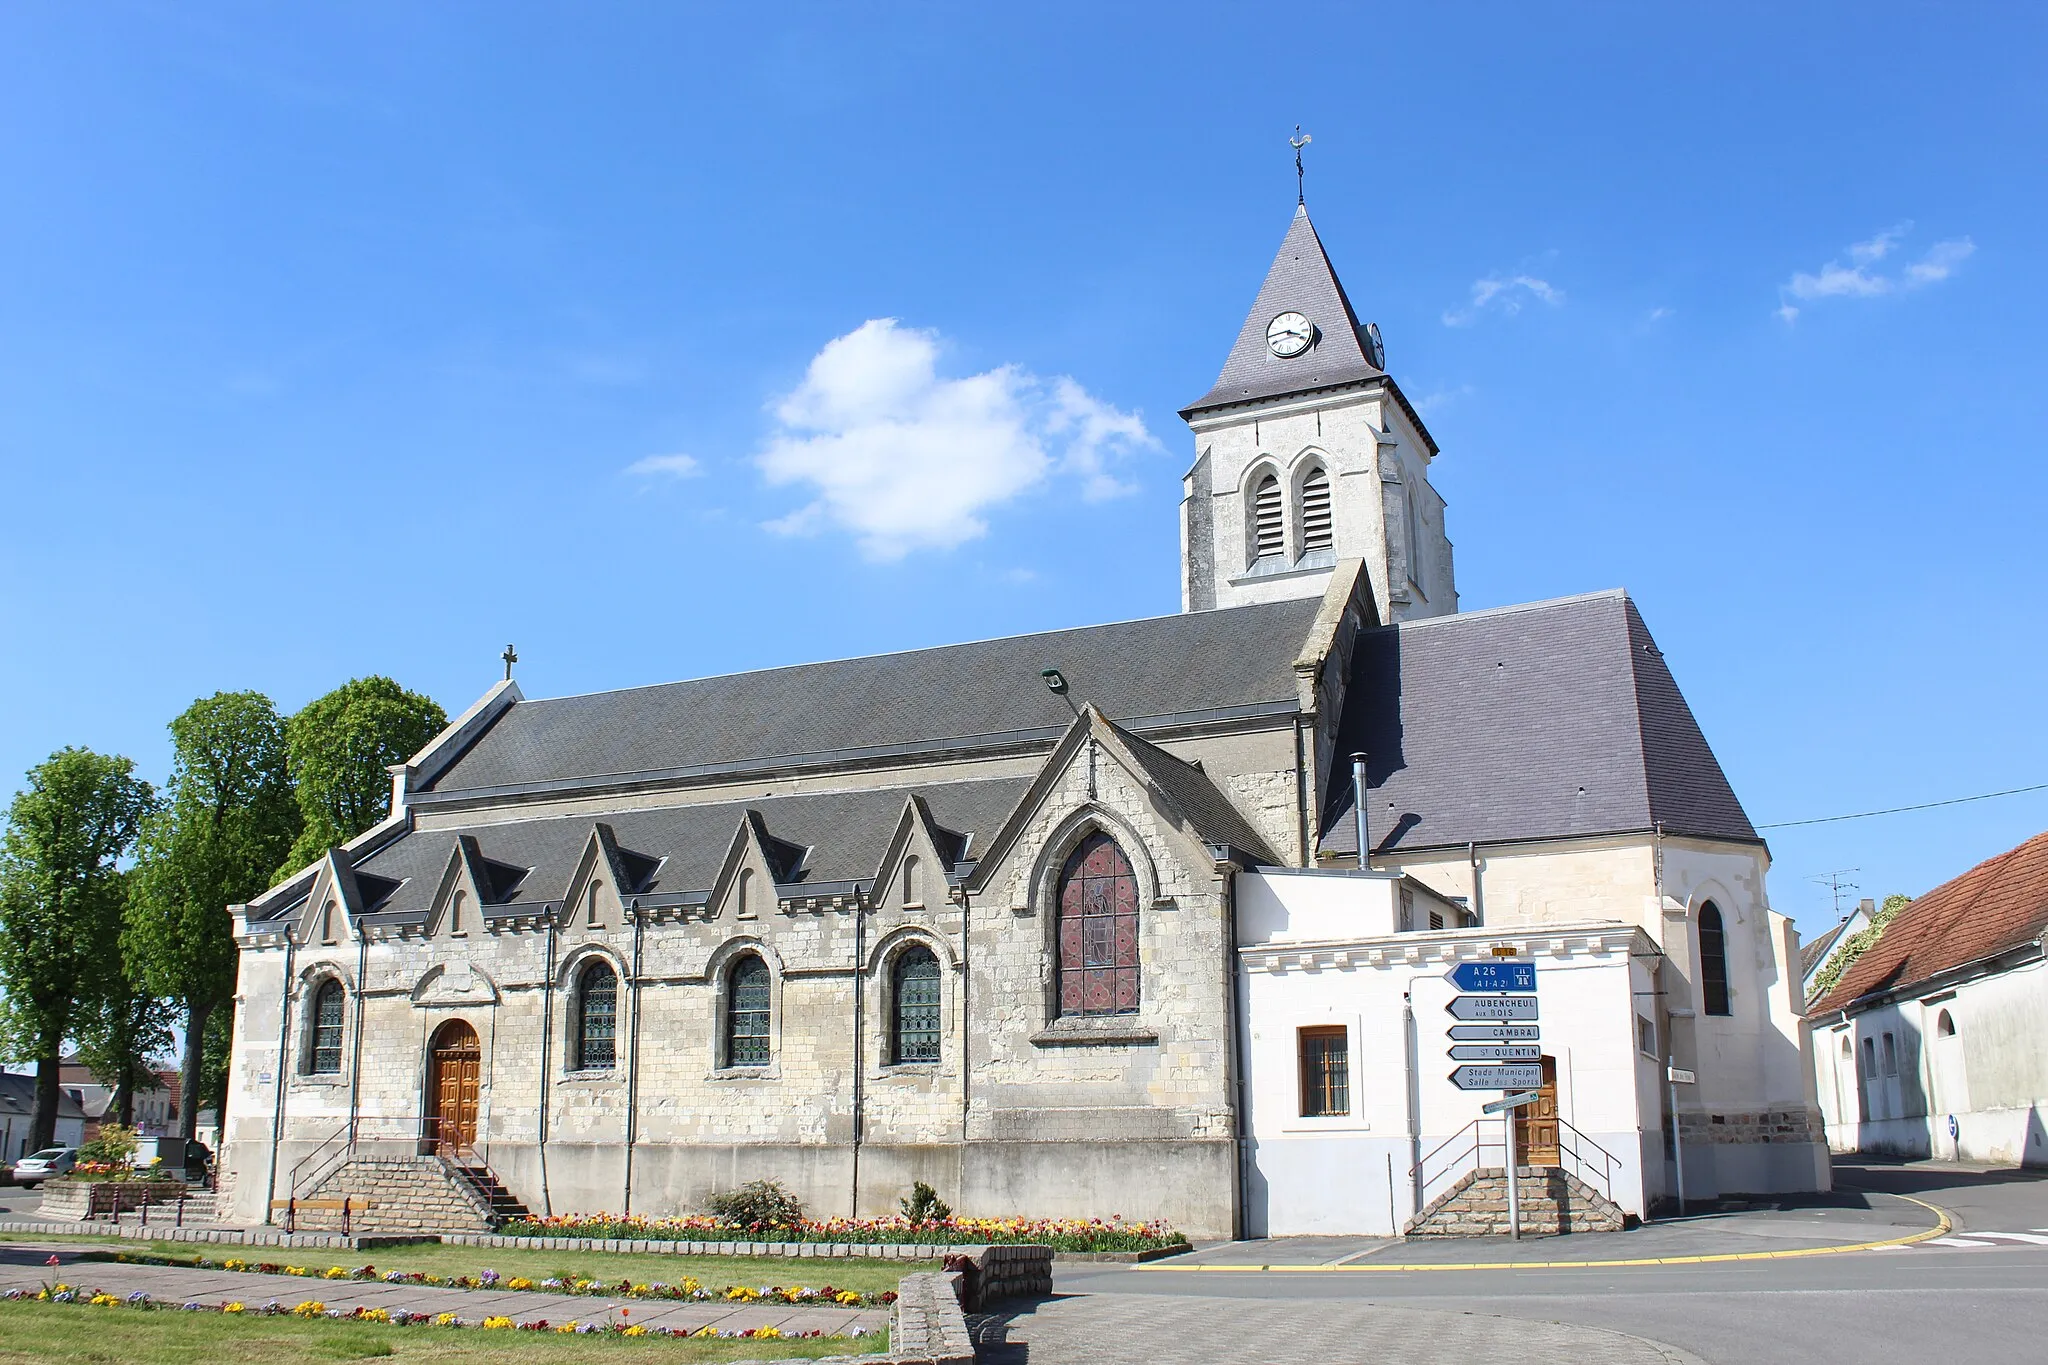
point(511, 657)
point(1299, 141)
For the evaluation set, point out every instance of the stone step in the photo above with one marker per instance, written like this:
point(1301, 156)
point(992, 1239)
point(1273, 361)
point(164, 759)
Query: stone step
point(1552, 1199)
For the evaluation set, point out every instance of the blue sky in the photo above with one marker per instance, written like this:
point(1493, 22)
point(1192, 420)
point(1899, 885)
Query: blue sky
point(369, 338)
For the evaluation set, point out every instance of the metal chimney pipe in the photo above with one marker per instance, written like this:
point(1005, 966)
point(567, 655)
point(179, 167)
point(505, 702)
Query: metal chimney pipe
point(1358, 807)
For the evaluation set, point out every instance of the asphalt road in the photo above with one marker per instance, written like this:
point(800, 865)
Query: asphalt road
point(1966, 1299)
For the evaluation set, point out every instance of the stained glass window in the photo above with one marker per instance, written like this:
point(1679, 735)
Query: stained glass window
point(746, 1020)
point(917, 1006)
point(1713, 961)
point(1098, 930)
point(325, 1057)
point(597, 1018)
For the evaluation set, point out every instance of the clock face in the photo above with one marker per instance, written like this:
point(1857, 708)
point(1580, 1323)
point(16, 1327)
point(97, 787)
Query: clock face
point(1290, 334)
point(1375, 349)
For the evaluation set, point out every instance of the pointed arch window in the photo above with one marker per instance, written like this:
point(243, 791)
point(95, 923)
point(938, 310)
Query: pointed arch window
point(748, 909)
point(323, 1057)
point(597, 1018)
point(913, 881)
point(1713, 961)
point(1316, 533)
point(455, 909)
point(1098, 948)
point(746, 1015)
point(914, 1032)
point(1269, 519)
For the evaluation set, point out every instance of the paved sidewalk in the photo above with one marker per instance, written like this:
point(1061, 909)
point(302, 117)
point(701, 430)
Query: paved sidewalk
point(1148, 1329)
point(24, 1266)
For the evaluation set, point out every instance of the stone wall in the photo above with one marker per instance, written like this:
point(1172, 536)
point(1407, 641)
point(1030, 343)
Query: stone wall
point(77, 1200)
point(1552, 1202)
point(404, 1194)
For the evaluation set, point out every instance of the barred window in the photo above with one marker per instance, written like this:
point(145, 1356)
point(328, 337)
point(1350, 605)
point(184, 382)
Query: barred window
point(1325, 1073)
point(1713, 961)
point(597, 1018)
point(324, 1057)
point(1315, 511)
point(916, 1031)
point(1098, 930)
point(746, 1019)
point(1269, 532)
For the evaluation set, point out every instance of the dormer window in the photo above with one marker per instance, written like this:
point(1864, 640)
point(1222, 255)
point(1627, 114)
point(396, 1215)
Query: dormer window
point(1269, 519)
point(1316, 532)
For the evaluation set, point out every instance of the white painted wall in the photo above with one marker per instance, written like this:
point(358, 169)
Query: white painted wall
point(1991, 1074)
point(1315, 951)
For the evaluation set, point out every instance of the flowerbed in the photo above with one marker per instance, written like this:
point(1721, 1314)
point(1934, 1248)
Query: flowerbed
point(1061, 1234)
point(687, 1290)
point(622, 1325)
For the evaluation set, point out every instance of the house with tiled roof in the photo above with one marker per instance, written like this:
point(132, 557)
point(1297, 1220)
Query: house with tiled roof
point(1122, 917)
point(1930, 1044)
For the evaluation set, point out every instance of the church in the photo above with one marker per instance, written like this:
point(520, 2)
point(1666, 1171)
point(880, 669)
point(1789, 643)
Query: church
point(1150, 918)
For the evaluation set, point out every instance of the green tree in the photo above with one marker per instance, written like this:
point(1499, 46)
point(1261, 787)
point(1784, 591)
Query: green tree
point(228, 819)
point(342, 746)
point(124, 1029)
point(61, 899)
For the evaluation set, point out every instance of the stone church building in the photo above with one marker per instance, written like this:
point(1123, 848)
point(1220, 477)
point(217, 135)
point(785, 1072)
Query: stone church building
point(972, 915)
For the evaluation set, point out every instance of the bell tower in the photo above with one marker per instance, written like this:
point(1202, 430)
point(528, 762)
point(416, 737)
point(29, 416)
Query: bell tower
point(1307, 452)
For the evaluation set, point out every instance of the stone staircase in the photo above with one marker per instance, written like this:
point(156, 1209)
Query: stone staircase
point(1553, 1201)
point(406, 1194)
point(504, 1205)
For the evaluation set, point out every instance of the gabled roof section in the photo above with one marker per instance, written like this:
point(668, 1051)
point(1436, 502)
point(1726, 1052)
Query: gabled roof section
point(1998, 905)
point(1300, 279)
point(1813, 952)
point(1554, 719)
point(967, 696)
point(1188, 791)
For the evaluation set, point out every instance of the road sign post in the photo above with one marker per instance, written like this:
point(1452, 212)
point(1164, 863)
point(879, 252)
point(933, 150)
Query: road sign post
point(1675, 1076)
point(1502, 1053)
point(1515, 1173)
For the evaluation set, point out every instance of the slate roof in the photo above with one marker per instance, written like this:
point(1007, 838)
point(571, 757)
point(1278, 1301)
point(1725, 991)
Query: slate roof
point(1193, 794)
point(18, 1097)
point(1300, 278)
point(1815, 951)
point(1999, 904)
point(1135, 671)
point(832, 836)
point(1557, 718)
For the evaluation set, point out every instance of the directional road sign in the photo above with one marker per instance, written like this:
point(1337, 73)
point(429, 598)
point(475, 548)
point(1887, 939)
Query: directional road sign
point(1514, 1076)
point(1680, 1076)
point(1497, 1052)
point(1495, 1033)
point(1510, 1102)
point(1516, 977)
point(1492, 1007)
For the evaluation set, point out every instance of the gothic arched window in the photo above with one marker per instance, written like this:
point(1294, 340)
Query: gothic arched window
point(455, 908)
point(323, 1057)
point(914, 1032)
point(1098, 930)
point(1315, 511)
point(1269, 519)
point(597, 1018)
point(1713, 961)
point(746, 1014)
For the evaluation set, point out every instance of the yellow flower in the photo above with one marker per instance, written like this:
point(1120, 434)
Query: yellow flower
point(636, 1330)
point(231, 1263)
point(296, 1270)
point(102, 1299)
point(495, 1324)
point(311, 1308)
point(519, 1282)
point(375, 1315)
point(567, 1327)
point(335, 1272)
point(235, 1307)
point(705, 1331)
point(446, 1320)
point(761, 1333)
point(739, 1293)
point(691, 1285)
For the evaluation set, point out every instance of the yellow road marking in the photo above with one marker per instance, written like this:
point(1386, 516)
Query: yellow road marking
point(1942, 1227)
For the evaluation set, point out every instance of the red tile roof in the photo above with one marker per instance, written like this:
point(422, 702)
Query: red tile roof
point(2000, 903)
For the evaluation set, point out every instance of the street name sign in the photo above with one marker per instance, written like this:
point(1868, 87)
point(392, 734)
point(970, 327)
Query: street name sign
point(1680, 1076)
point(1497, 1052)
point(1495, 1033)
point(1492, 1007)
point(1510, 1102)
point(1516, 977)
point(1515, 1076)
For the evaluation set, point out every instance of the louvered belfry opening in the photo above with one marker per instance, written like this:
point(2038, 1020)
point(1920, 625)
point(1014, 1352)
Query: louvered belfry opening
point(1269, 519)
point(1315, 511)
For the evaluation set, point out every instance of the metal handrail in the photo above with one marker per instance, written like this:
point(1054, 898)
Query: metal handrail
point(1608, 1160)
point(430, 1135)
point(1474, 1145)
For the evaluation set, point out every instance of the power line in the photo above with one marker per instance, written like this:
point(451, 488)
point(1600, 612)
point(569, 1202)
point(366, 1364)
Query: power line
point(1894, 810)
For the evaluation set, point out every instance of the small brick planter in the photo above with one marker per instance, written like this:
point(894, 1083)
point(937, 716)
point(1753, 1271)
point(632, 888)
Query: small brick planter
point(79, 1201)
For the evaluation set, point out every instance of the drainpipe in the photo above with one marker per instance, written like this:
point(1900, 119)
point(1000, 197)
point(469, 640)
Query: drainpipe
point(860, 925)
point(1233, 969)
point(1358, 808)
point(1478, 892)
point(966, 1021)
point(284, 1024)
point(547, 1038)
point(633, 1056)
point(355, 1065)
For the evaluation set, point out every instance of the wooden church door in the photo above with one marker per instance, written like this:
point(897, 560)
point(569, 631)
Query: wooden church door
point(454, 1086)
point(1536, 1122)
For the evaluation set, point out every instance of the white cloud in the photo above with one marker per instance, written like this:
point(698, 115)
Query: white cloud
point(1434, 402)
point(1862, 278)
point(1504, 294)
point(908, 460)
point(665, 467)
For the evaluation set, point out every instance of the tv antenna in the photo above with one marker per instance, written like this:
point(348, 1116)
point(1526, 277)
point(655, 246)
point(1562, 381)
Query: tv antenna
point(1833, 881)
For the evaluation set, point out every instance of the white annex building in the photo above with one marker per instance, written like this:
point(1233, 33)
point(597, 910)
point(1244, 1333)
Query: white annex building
point(917, 917)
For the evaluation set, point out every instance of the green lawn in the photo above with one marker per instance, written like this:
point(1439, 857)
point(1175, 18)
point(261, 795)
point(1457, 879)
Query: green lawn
point(124, 1336)
point(864, 1275)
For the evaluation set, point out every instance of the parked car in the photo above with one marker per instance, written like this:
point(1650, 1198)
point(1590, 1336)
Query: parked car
point(198, 1164)
point(37, 1167)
